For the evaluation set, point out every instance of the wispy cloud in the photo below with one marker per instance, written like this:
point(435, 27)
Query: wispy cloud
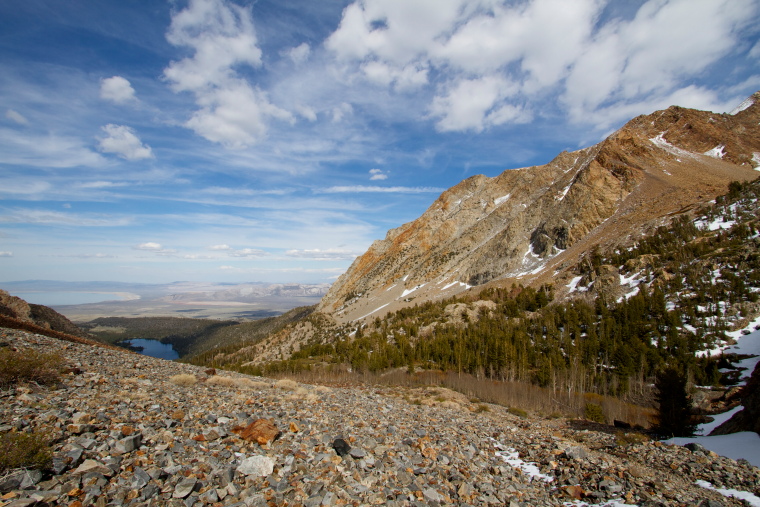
point(47, 217)
point(349, 189)
point(6, 254)
point(16, 117)
point(377, 175)
point(323, 255)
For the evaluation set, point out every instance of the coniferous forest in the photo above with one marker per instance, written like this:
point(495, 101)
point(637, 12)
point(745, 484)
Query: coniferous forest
point(678, 291)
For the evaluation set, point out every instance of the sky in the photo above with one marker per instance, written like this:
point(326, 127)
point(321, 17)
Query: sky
point(240, 141)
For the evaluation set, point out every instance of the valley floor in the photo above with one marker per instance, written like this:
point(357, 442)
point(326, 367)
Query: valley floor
point(128, 431)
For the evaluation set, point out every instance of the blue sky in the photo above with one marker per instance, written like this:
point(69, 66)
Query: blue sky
point(238, 140)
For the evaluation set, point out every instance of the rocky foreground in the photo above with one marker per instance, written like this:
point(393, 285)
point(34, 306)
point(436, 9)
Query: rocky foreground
point(134, 430)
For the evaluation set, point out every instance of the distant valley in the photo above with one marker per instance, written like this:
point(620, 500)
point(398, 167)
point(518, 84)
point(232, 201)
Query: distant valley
point(240, 302)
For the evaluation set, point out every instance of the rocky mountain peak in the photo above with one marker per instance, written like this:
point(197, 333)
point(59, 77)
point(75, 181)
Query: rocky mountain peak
point(528, 225)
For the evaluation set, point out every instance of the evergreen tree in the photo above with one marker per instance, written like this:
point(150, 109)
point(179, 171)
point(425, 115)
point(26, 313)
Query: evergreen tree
point(674, 415)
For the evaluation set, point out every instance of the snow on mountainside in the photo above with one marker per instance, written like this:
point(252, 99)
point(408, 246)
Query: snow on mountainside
point(531, 225)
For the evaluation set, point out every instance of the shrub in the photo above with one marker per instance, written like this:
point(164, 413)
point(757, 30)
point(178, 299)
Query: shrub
point(183, 379)
point(518, 412)
point(28, 366)
point(482, 408)
point(594, 412)
point(24, 450)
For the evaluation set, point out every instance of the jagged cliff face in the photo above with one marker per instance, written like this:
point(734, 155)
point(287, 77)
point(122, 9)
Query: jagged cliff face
point(529, 225)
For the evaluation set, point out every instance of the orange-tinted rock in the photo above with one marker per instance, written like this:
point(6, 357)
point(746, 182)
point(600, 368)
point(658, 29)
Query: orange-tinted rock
point(262, 431)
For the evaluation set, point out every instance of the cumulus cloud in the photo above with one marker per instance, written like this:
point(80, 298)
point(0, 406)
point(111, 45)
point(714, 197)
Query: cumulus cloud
point(6, 254)
point(493, 62)
point(220, 247)
point(16, 117)
point(474, 104)
point(116, 89)
point(221, 35)
point(123, 142)
point(377, 174)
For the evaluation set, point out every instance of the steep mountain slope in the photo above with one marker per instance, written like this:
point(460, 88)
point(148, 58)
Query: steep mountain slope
point(530, 225)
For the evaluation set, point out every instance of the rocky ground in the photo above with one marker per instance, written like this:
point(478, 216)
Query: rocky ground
point(134, 430)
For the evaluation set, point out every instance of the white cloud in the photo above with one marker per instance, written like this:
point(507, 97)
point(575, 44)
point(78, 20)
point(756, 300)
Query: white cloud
point(221, 34)
point(306, 112)
point(122, 141)
point(342, 111)
point(248, 252)
point(300, 53)
point(46, 150)
point(475, 104)
point(156, 248)
point(220, 247)
point(40, 216)
point(323, 255)
point(6, 254)
point(150, 246)
point(646, 59)
point(17, 117)
point(116, 89)
point(377, 174)
point(234, 116)
point(372, 189)
point(22, 186)
point(493, 62)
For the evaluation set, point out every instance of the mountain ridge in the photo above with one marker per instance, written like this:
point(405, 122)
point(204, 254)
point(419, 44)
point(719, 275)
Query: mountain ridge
point(518, 225)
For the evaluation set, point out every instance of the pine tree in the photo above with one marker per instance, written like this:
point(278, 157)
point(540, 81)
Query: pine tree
point(674, 415)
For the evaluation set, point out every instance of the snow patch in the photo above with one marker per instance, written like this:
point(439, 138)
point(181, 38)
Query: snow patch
point(717, 152)
point(501, 200)
point(716, 224)
point(744, 105)
point(457, 283)
point(573, 285)
point(756, 160)
point(750, 498)
point(511, 457)
point(409, 291)
point(565, 191)
point(373, 311)
point(705, 429)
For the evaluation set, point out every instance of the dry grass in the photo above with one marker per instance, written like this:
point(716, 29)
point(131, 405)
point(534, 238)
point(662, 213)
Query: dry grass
point(183, 380)
point(28, 366)
point(286, 384)
point(218, 380)
point(246, 383)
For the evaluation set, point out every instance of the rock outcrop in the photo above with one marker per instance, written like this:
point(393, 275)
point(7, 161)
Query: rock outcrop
point(38, 315)
point(529, 224)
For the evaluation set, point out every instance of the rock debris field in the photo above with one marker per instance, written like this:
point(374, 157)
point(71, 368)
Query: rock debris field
point(134, 430)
